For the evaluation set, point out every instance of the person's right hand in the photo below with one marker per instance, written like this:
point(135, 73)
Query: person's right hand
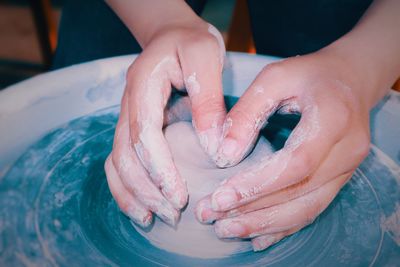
point(140, 170)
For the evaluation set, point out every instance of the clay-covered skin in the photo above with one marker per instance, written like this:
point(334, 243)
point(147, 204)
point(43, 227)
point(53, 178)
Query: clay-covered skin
point(284, 192)
point(190, 237)
point(334, 89)
point(56, 210)
point(188, 55)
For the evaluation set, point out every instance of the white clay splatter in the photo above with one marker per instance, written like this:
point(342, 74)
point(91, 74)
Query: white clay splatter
point(302, 133)
point(291, 107)
point(210, 138)
point(258, 90)
point(151, 148)
point(192, 85)
point(391, 224)
point(227, 125)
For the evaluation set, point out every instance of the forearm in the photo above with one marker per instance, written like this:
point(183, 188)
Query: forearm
point(145, 18)
point(372, 49)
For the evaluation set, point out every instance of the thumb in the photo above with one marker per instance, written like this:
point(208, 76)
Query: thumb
point(247, 118)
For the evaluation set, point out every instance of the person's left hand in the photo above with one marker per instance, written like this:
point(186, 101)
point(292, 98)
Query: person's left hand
point(282, 193)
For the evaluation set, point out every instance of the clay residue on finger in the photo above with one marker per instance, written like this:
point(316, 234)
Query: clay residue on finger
point(304, 132)
point(150, 145)
point(210, 139)
point(290, 108)
point(192, 85)
point(262, 242)
point(252, 127)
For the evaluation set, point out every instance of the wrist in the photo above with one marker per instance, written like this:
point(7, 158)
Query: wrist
point(360, 71)
point(175, 28)
point(145, 19)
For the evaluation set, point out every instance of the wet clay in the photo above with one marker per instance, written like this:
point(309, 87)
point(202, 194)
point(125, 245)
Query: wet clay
point(202, 176)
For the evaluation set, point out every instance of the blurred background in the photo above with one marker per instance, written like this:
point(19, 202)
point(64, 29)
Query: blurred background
point(28, 33)
point(27, 38)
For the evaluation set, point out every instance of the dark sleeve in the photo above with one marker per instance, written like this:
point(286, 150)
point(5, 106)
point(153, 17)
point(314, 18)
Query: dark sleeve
point(90, 30)
point(293, 27)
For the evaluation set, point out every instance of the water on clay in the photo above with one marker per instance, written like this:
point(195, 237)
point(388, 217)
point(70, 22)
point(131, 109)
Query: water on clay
point(56, 210)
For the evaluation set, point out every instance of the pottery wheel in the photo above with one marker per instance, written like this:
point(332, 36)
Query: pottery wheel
point(55, 208)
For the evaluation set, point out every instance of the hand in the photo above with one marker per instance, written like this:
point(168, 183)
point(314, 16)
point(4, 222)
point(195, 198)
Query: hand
point(140, 170)
point(284, 192)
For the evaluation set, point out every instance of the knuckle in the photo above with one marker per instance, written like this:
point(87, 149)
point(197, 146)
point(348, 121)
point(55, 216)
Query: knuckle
point(343, 120)
point(362, 146)
point(201, 41)
point(274, 70)
point(207, 40)
point(130, 72)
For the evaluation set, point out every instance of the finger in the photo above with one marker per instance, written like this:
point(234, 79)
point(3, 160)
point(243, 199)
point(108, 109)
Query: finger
point(296, 213)
point(297, 160)
point(271, 91)
point(203, 81)
point(147, 101)
point(341, 161)
point(249, 115)
point(337, 163)
point(262, 242)
point(133, 175)
point(128, 204)
point(205, 214)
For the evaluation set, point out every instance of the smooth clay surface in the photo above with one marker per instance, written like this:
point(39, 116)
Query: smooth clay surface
point(202, 176)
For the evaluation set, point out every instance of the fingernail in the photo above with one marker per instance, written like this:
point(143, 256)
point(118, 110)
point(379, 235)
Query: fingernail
point(169, 217)
point(223, 198)
point(178, 199)
point(262, 242)
point(204, 213)
point(229, 229)
point(137, 216)
point(174, 192)
point(227, 153)
point(147, 220)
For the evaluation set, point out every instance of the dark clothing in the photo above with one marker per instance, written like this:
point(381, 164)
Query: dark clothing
point(292, 27)
point(90, 30)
